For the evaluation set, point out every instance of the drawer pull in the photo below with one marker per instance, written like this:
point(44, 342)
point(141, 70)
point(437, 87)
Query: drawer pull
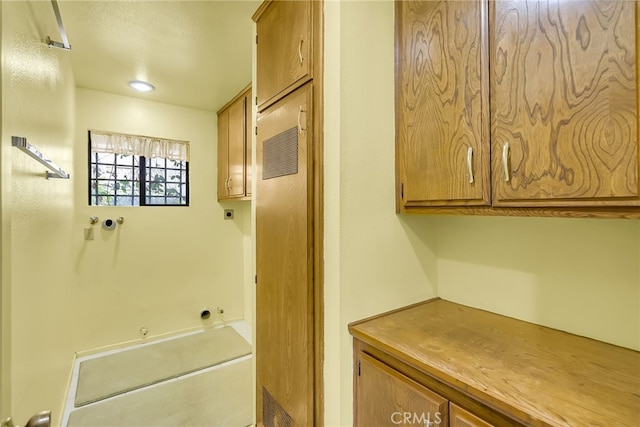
point(505, 161)
point(470, 164)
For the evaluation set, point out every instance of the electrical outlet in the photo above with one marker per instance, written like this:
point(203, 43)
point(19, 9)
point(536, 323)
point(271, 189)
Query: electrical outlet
point(88, 233)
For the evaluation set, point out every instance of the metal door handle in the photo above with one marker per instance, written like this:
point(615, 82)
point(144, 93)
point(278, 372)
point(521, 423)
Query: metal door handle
point(470, 164)
point(300, 128)
point(505, 161)
point(300, 50)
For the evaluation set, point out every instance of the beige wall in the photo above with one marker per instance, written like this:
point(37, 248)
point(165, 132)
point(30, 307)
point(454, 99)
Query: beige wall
point(38, 103)
point(163, 265)
point(577, 275)
point(5, 234)
point(374, 260)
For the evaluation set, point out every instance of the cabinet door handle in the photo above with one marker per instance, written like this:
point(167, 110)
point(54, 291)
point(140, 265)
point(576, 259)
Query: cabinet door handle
point(505, 161)
point(470, 164)
point(300, 50)
point(230, 185)
point(300, 128)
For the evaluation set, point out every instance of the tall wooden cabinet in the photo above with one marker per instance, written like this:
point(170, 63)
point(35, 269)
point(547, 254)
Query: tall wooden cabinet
point(288, 203)
point(234, 148)
point(518, 107)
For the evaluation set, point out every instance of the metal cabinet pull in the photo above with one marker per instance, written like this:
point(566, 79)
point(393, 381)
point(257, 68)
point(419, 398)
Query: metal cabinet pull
point(505, 161)
point(470, 164)
point(230, 185)
point(300, 50)
point(300, 128)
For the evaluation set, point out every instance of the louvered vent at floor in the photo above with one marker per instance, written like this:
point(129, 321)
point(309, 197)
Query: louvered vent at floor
point(274, 415)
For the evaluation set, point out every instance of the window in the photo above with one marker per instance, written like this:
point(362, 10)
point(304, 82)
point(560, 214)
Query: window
point(129, 170)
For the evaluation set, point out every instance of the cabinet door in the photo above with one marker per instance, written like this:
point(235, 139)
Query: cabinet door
point(223, 154)
point(385, 397)
point(284, 49)
point(284, 263)
point(460, 418)
point(234, 120)
point(442, 104)
point(564, 103)
point(248, 132)
point(236, 150)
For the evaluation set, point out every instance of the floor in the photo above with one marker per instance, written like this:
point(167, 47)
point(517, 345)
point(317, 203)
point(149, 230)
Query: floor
point(241, 327)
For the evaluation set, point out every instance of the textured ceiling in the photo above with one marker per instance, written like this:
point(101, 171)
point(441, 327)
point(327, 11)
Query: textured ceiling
point(196, 53)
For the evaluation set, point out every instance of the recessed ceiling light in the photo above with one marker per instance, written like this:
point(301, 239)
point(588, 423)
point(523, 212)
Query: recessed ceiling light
point(141, 86)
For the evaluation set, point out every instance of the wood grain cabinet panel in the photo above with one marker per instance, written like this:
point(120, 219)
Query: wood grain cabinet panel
point(458, 417)
point(385, 397)
point(518, 107)
point(564, 103)
point(284, 51)
point(234, 148)
point(442, 108)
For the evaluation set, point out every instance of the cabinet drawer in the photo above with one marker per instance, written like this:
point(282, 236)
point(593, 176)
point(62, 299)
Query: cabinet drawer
point(385, 397)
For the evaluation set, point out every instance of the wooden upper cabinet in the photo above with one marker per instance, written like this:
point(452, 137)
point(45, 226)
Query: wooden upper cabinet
point(518, 107)
point(223, 154)
point(564, 103)
point(442, 103)
point(385, 397)
point(284, 52)
point(234, 165)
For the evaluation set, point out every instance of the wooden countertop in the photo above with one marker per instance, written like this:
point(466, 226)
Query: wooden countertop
point(543, 375)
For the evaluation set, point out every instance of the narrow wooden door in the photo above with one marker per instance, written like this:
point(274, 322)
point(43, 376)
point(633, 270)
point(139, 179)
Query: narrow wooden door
point(248, 135)
point(564, 103)
point(284, 264)
point(236, 151)
point(442, 103)
point(223, 154)
point(385, 397)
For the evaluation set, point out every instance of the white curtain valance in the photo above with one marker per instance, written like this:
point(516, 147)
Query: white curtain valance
point(104, 142)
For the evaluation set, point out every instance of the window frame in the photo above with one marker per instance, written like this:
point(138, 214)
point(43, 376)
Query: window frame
point(142, 170)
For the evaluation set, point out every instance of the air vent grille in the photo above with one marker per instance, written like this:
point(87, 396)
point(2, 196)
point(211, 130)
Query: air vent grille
point(273, 415)
point(280, 154)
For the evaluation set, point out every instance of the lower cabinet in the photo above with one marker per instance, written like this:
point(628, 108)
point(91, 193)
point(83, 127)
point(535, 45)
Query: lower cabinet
point(458, 417)
point(385, 397)
point(438, 364)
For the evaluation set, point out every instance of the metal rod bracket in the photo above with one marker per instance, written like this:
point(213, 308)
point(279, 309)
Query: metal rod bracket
point(22, 144)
